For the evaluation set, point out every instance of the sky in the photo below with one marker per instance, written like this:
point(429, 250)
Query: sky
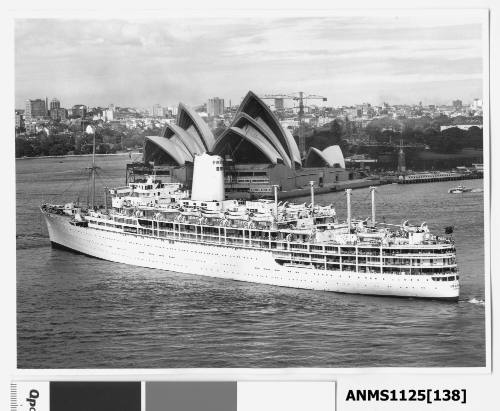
point(348, 59)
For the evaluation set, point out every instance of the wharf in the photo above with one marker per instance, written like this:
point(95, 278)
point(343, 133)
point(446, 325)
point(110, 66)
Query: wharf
point(437, 177)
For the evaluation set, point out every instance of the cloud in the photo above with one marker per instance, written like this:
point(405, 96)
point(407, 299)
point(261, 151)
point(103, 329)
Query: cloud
point(141, 62)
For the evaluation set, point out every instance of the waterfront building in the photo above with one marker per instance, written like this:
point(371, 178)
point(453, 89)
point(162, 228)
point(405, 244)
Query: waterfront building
point(257, 151)
point(215, 106)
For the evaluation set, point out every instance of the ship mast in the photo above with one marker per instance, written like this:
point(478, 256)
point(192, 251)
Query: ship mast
point(311, 183)
point(372, 190)
point(93, 170)
point(275, 188)
point(348, 195)
point(90, 130)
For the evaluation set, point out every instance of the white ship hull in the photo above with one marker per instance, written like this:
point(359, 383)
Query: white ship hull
point(236, 263)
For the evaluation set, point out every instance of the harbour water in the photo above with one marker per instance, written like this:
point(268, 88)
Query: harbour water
point(75, 311)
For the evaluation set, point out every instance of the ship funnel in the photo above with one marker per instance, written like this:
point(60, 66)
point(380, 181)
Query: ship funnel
point(208, 178)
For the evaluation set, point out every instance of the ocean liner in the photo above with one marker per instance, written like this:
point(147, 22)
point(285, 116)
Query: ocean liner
point(164, 226)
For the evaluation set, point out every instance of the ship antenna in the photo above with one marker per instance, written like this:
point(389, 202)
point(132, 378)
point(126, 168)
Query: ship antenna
point(348, 194)
point(372, 189)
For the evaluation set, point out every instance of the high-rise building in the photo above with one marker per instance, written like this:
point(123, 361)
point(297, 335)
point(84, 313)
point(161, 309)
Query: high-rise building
point(19, 118)
point(279, 104)
point(35, 109)
point(55, 104)
point(215, 106)
point(58, 113)
point(158, 111)
point(79, 110)
point(109, 114)
point(172, 110)
point(457, 104)
point(477, 104)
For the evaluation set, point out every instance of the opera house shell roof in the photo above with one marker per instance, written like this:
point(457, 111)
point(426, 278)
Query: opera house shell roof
point(330, 157)
point(178, 143)
point(255, 136)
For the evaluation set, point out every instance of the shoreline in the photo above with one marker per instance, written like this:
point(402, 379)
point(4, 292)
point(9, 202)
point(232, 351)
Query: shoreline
point(78, 155)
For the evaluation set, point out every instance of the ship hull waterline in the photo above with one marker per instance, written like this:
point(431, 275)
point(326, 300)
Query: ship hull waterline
point(235, 263)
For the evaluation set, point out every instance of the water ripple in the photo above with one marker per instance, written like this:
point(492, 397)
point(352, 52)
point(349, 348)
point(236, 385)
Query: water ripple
point(79, 312)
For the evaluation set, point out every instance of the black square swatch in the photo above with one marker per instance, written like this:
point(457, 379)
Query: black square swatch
point(95, 396)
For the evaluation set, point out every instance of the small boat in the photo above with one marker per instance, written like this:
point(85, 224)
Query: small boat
point(459, 189)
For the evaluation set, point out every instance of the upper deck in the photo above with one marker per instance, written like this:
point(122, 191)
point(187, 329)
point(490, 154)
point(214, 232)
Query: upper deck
point(297, 247)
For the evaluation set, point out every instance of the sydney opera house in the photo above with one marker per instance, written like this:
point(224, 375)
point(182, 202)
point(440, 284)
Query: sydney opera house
point(257, 151)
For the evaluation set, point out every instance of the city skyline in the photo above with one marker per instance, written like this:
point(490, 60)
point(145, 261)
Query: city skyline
point(271, 103)
point(349, 60)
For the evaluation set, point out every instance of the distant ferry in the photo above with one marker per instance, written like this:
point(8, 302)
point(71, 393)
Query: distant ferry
point(459, 189)
point(163, 226)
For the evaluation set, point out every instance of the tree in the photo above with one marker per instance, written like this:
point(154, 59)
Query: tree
point(23, 148)
point(335, 133)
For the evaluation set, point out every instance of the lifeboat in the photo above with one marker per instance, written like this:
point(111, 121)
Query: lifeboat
point(262, 217)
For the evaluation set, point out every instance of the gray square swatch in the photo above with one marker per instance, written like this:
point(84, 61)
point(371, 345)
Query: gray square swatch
point(191, 396)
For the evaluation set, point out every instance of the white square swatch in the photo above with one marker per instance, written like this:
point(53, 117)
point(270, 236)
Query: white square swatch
point(286, 396)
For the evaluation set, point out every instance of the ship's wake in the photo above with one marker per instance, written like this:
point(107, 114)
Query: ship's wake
point(26, 241)
point(476, 301)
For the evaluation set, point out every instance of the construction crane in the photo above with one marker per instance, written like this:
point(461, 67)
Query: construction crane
point(299, 96)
